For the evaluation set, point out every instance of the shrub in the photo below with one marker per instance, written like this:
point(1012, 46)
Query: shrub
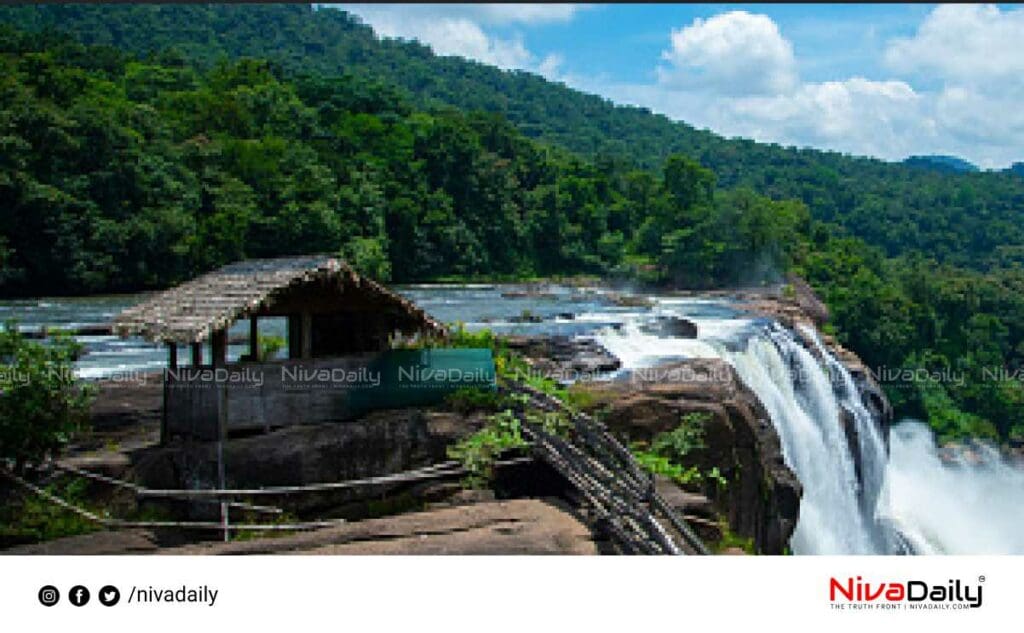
point(28, 518)
point(478, 452)
point(42, 404)
point(270, 345)
point(468, 399)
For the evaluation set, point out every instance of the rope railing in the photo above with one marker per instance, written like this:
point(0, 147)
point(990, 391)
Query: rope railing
point(436, 471)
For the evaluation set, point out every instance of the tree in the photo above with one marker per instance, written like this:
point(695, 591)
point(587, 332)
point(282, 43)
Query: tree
point(41, 403)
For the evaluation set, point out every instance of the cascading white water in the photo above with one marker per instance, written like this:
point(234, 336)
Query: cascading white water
point(971, 502)
point(871, 447)
point(802, 404)
point(906, 499)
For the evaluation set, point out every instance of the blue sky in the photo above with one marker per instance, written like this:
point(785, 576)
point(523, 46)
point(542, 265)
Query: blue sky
point(881, 80)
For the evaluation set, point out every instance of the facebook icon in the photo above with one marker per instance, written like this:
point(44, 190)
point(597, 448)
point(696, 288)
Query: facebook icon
point(78, 595)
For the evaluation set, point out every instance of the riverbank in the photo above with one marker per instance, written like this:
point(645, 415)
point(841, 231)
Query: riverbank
point(557, 325)
point(734, 484)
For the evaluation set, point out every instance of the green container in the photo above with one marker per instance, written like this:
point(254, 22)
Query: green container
point(411, 378)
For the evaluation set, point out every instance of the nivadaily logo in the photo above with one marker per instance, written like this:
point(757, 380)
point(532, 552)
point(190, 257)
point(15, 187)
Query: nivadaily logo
point(904, 594)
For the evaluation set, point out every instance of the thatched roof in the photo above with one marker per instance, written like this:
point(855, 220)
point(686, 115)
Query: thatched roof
point(191, 312)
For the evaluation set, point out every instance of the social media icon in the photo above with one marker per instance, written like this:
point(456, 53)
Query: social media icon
point(109, 596)
point(49, 596)
point(79, 596)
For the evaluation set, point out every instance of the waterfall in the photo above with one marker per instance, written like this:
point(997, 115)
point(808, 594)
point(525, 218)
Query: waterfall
point(913, 498)
point(802, 401)
point(961, 500)
point(871, 445)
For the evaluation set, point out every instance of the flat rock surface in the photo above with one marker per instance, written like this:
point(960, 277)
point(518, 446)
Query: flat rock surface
point(93, 544)
point(518, 526)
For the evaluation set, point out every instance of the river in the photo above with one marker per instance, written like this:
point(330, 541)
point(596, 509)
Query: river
point(913, 498)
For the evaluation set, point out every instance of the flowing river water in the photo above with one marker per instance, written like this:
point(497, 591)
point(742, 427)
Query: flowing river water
point(912, 498)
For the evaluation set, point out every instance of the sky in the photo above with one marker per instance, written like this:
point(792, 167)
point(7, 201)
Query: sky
point(881, 80)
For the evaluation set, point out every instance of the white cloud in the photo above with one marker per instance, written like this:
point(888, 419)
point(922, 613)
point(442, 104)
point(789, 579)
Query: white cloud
point(733, 53)
point(956, 85)
point(964, 43)
point(456, 36)
point(886, 119)
point(736, 73)
point(461, 29)
point(879, 118)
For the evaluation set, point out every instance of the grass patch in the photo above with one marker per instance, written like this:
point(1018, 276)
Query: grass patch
point(26, 517)
point(731, 540)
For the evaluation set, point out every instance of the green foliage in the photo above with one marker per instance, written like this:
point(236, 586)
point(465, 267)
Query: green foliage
point(667, 452)
point(192, 164)
point(469, 399)
point(731, 540)
point(369, 256)
point(661, 465)
point(684, 439)
point(28, 518)
point(553, 422)
point(270, 345)
point(478, 452)
point(142, 145)
point(968, 219)
point(960, 332)
point(41, 403)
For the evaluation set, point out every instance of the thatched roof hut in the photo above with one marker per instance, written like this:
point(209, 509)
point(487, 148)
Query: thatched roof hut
point(338, 322)
point(290, 286)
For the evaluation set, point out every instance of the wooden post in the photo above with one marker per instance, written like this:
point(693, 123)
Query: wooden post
point(222, 435)
point(307, 335)
point(172, 365)
point(219, 348)
point(254, 340)
point(197, 354)
point(294, 336)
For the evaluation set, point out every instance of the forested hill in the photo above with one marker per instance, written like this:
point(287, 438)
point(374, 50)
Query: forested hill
point(968, 219)
point(183, 148)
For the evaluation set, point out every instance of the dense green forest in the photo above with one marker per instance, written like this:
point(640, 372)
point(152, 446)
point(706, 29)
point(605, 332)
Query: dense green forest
point(974, 220)
point(179, 138)
point(122, 174)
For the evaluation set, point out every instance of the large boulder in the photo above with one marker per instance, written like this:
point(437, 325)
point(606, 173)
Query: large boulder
point(670, 327)
point(563, 358)
point(761, 499)
point(377, 444)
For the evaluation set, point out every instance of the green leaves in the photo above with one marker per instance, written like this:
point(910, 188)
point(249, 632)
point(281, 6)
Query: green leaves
point(41, 403)
point(478, 452)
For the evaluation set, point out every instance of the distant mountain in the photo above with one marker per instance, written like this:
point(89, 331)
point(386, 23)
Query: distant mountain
point(1016, 168)
point(941, 163)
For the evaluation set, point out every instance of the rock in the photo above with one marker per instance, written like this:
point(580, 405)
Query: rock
point(808, 301)
point(95, 543)
point(526, 317)
point(562, 358)
point(708, 530)
point(762, 497)
point(380, 443)
point(670, 327)
point(683, 501)
point(529, 292)
point(628, 300)
point(519, 526)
